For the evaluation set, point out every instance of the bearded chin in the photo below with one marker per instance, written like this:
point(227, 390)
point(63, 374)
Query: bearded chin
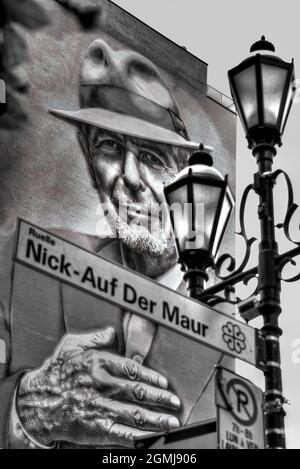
point(140, 239)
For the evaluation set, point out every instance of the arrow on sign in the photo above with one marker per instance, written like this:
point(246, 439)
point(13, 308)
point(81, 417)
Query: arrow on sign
point(51, 255)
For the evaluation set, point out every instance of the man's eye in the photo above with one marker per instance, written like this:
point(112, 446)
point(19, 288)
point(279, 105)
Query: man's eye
point(110, 146)
point(150, 159)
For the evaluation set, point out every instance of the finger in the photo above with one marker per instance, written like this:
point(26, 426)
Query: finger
point(134, 415)
point(123, 367)
point(93, 340)
point(141, 393)
point(105, 432)
point(123, 433)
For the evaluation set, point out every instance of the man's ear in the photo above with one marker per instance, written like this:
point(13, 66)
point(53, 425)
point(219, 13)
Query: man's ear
point(83, 142)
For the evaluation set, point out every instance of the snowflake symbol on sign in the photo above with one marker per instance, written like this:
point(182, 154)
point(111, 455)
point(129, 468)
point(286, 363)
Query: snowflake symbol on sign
point(234, 337)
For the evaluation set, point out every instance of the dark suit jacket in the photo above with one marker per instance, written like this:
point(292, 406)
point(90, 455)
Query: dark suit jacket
point(39, 310)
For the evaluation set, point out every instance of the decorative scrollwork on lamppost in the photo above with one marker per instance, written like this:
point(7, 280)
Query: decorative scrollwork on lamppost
point(262, 87)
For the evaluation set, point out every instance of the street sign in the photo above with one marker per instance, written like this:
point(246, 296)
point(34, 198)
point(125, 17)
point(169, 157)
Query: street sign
point(240, 418)
point(63, 260)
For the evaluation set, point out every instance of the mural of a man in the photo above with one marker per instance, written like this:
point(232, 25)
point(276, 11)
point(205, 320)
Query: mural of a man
point(114, 378)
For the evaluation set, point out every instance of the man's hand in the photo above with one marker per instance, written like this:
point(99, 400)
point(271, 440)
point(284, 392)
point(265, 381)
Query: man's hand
point(86, 394)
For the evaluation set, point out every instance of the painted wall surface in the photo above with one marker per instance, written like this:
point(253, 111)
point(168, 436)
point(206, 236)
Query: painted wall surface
point(45, 180)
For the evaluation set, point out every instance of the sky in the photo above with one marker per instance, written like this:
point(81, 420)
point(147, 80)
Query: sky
point(221, 33)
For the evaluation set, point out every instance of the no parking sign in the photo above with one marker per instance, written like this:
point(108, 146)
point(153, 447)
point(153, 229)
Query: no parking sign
point(240, 420)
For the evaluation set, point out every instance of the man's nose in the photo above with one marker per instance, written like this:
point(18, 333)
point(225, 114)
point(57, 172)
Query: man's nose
point(131, 176)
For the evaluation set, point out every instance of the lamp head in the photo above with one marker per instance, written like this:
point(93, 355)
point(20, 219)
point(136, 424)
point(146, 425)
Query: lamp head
point(200, 203)
point(262, 87)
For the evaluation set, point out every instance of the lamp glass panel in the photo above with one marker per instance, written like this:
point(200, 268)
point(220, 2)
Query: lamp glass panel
point(206, 199)
point(182, 219)
point(289, 98)
point(225, 212)
point(245, 82)
point(273, 82)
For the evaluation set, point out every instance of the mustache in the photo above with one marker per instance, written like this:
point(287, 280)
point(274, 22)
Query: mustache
point(143, 208)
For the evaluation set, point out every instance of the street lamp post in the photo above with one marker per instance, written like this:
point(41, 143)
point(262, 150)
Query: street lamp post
point(269, 306)
point(262, 87)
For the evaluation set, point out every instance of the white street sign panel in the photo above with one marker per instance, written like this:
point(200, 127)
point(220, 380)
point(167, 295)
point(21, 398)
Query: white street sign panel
point(56, 257)
point(240, 417)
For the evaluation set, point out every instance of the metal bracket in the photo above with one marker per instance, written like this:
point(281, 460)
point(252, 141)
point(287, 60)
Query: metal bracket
point(274, 407)
point(248, 308)
point(260, 344)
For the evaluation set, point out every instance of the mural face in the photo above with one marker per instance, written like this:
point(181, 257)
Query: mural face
point(130, 174)
point(124, 99)
point(86, 372)
point(134, 140)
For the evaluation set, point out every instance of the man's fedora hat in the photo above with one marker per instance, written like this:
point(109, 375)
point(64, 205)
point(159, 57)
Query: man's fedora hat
point(122, 91)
